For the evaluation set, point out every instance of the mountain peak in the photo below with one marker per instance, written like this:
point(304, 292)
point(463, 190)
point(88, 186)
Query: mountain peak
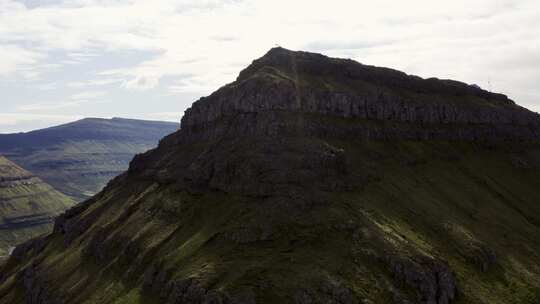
point(282, 59)
point(302, 83)
point(306, 65)
point(278, 50)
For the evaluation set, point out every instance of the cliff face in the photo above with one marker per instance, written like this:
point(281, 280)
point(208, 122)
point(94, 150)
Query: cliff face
point(79, 158)
point(27, 206)
point(396, 105)
point(310, 180)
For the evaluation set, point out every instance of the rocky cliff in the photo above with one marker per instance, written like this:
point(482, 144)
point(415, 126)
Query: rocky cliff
point(27, 206)
point(310, 180)
point(396, 105)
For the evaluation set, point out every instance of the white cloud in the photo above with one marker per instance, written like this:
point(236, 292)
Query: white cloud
point(88, 95)
point(74, 100)
point(47, 86)
point(142, 83)
point(162, 116)
point(13, 58)
point(94, 82)
point(43, 106)
point(192, 84)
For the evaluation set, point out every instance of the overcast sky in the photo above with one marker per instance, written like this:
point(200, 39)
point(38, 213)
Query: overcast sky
point(64, 60)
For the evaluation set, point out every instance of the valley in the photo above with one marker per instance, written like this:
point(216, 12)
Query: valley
point(79, 158)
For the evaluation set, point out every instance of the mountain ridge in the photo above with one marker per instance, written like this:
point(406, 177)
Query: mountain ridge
point(73, 126)
point(80, 157)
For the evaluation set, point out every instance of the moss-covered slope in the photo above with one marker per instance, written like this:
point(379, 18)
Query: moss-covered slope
point(268, 195)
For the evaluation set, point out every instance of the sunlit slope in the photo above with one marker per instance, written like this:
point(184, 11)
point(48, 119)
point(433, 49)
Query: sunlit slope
point(27, 205)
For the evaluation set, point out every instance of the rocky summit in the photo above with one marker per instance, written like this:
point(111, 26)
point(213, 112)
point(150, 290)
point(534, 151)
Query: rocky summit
point(310, 180)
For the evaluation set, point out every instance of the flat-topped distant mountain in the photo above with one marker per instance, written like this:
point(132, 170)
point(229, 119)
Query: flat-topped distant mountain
point(310, 180)
point(79, 158)
point(27, 205)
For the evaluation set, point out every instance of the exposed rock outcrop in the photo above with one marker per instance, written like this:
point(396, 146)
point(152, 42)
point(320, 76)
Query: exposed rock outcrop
point(36, 290)
point(329, 292)
point(310, 84)
point(433, 280)
point(158, 280)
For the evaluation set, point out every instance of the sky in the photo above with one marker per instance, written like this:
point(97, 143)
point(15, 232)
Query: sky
point(64, 60)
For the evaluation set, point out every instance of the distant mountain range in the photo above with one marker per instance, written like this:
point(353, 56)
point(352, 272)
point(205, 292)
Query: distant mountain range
point(79, 158)
point(27, 205)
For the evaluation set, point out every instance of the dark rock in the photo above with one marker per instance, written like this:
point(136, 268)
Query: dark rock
point(213, 297)
point(157, 280)
point(483, 257)
point(286, 169)
point(327, 293)
point(34, 246)
point(35, 289)
point(303, 297)
point(244, 297)
point(71, 225)
point(260, 100)
point(96, 247)
point(432, 280)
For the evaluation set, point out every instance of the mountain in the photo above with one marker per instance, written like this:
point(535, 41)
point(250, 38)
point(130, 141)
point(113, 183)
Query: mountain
point(27, 206)
point(310, 180)
point(79, 158)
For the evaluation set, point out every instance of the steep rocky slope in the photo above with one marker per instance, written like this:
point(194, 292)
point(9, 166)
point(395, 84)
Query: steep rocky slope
point(79, 158)
point(310, 180)
point(27, 206)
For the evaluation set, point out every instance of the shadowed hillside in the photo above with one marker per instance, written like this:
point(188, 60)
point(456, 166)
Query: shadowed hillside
point(79, 158)
point(310, 180)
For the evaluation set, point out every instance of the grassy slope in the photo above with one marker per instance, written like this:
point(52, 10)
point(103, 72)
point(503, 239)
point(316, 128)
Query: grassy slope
point(481, 196)
point(435, 199)
point(32, 200)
